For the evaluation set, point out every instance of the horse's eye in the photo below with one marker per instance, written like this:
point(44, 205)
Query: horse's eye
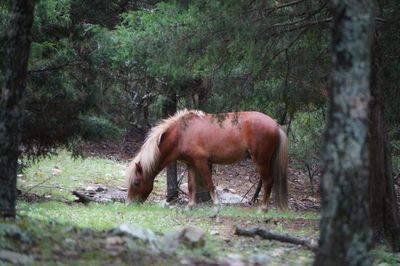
point(136, 183)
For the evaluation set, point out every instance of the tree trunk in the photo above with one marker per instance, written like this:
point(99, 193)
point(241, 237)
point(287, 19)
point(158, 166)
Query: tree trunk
point(345, 232)
point(11, 102)
point(384, 215)
point(168, 109)
point(202, 194)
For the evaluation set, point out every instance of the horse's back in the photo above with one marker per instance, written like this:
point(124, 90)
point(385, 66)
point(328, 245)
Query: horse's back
point(227, 138)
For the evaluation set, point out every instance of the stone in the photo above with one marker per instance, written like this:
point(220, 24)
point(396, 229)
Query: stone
point(13, 231)
point(90, 189)
point(138, 233)
point(259, 259)
point(15, 258)
point(189, 236)
point(101, 189)
point(233, 260)
point(185, 188)
point(56, 171)
point(214, 232)
point(114, 240)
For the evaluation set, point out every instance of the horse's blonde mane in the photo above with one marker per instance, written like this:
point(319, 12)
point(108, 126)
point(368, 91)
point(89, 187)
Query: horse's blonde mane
point(149, 153)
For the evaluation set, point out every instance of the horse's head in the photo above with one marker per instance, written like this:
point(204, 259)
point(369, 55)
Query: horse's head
point(139, 186)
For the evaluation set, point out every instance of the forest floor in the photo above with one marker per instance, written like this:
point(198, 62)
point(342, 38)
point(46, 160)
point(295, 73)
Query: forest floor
point(53, 228)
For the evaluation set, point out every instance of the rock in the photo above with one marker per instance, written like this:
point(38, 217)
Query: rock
point(101, 189)
point(69, 242)
point(56, 171)
point(189, 236)
point(90, 189)
point(15, 258)
point(185, 188)
point(259, 259)
point(233, 260)
point(13, 231)
point(114, 240)
point(228, 197)
point(137, 233)
point(214, 232)
point(278, 252)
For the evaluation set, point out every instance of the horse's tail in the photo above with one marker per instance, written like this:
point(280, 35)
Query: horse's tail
point(279, 170)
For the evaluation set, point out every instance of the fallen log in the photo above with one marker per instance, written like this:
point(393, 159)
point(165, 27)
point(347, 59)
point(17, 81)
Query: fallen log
point(266, 234)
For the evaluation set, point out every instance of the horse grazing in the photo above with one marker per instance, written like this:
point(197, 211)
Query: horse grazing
point(197, 138)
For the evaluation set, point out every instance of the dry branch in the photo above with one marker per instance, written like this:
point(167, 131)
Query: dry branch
point(266, 234)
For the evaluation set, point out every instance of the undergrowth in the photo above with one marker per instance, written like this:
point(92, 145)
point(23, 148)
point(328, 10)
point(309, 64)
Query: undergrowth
point(62, 232)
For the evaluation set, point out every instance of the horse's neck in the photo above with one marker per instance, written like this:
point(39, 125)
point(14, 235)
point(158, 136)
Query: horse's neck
point(162, 163)
point(168, 149)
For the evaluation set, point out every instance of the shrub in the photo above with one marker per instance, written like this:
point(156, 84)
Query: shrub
point(99, 128)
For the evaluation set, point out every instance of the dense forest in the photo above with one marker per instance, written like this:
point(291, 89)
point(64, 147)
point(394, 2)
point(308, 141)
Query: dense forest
point(103, 71)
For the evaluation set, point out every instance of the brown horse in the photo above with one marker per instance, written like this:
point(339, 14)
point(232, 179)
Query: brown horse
point(197, 138)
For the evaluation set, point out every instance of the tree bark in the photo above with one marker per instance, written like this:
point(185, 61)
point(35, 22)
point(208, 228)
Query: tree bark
point(168, 109)
point(202, 194)
point(384, 214)
point(345, 232)
point(11, 102)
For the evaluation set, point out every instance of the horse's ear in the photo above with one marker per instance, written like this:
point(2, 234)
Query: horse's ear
point(139, 167)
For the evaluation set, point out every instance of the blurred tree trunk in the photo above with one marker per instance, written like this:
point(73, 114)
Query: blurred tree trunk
point(11, 102)
point(384, 215)
point(345, 231)
point(169, 109)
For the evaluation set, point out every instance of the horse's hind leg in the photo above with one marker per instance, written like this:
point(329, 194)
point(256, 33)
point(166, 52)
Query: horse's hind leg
point(191, 185)
point(202, 167)
point(267, 183)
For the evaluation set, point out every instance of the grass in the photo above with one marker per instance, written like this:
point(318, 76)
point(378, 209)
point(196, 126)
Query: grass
point(59, 174)
point(57, 225)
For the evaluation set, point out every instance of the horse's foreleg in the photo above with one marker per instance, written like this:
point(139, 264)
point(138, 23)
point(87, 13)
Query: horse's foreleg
point(191, 185)
point(202, 167)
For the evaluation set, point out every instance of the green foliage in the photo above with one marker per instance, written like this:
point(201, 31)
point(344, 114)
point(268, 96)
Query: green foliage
point(394, 136)
point(52, 19)
point(117, 59)
point(382, 256)
point(99, 128)
point(306, 142)
point(390, 67)
point(207, 40)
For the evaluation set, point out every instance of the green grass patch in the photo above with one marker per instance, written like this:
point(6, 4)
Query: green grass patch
point(57, 175)
point(242, 212)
